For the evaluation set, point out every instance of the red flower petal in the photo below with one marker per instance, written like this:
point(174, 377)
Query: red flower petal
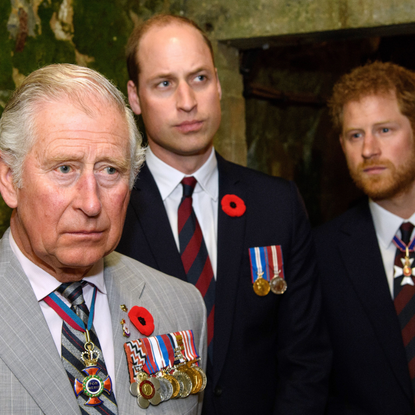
point(233, 205)
point(142, 320)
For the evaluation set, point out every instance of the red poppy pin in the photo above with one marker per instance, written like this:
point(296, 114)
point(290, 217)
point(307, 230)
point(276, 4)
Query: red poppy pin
point(233, 205)
point(142, 320)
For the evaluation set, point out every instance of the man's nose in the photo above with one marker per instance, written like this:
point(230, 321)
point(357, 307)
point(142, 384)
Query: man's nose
point(87, 198)
point(186, 97)
point(371, 147)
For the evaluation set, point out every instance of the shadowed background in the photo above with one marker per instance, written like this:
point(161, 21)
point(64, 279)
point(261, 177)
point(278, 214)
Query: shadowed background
point(277, 62)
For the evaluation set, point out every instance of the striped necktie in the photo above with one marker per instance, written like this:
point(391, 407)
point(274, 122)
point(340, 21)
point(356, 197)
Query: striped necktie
point(195, 256)
point(405, 301)
point(73, 345)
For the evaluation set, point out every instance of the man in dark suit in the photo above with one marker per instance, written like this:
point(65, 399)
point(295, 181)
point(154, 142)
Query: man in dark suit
point(269, 352)
point(366, 280)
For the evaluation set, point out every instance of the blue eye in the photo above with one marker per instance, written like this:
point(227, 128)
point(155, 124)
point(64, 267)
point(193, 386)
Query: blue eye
point(385, 130)
point(111, 170)
point(64, 169)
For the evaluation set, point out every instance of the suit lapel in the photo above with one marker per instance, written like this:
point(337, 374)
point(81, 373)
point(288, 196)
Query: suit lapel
point(358, 242)
point(128, 293)
point(151, 214)
point(26, 341)
point(231, 232)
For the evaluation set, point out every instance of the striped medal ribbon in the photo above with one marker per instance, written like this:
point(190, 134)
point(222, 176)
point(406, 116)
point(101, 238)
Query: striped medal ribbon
point(277, 284)
point(259, 270)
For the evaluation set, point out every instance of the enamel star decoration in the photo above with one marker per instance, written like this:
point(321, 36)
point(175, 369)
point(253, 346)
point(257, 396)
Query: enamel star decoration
point(406, 271)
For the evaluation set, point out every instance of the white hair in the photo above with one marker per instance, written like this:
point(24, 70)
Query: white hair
point(51, 84)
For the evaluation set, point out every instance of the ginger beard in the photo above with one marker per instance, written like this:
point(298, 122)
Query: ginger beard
point(394, 181)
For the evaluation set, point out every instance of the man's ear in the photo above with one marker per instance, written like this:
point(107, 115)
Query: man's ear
point(133, 98)
point(218, 84)
point(7, 188)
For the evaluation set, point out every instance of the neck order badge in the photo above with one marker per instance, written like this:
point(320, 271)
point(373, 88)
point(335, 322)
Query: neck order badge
point(267, 270)
point(406, 270)
point(92, 385)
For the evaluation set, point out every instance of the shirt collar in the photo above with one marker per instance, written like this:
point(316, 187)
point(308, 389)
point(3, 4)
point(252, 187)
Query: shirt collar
point(43, 283)
point(168, 178)
point(386, 223)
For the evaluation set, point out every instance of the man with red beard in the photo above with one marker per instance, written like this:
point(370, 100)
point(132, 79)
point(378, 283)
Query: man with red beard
point(366, 254)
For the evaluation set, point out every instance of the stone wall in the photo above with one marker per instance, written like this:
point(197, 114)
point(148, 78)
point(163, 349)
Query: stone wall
point(34, 33)
point(94, 33)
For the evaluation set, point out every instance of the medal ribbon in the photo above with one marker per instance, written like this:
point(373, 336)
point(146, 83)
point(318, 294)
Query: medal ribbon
point(189, 345)
point(156, 353)
point(68, 315)
point(164, 354)
point(150, 366)
point(136, 357)
point(189, 351)
point(276, 263)
point(168, 345)
point(401, 246)
point(259, 263)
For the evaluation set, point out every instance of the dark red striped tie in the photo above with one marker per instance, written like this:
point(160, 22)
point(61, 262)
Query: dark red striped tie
point(405, 304)
point(194, 254)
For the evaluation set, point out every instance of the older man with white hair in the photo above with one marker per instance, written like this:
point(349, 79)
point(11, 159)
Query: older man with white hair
point(69, 154)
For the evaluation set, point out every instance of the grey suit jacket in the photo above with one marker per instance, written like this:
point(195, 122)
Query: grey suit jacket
point(32, 378)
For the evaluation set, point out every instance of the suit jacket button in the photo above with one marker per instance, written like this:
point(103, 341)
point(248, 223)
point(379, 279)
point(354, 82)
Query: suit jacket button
point(218, 391)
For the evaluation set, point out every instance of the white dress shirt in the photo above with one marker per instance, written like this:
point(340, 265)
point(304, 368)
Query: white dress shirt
point(43, 284)
point(205, 197)
point(387, 226)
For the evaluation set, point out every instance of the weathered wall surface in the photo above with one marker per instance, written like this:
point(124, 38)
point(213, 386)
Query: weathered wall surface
point(34, 33)
point(235, 19)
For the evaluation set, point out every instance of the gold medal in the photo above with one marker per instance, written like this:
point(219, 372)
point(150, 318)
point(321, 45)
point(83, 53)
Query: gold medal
point(261, 287)
point(204, 378)
point(146, 389)
point(278, 285)
point(185, 380)
point(177, 387)
point(194, 376)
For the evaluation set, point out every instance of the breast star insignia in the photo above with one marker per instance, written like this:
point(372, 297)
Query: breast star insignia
point(406, 271)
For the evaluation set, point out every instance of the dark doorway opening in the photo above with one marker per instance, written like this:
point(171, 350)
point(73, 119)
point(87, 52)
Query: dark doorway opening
point(287, 81)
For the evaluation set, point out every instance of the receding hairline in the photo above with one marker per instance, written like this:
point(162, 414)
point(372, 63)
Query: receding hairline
point(157, 22)
point(153, 29)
